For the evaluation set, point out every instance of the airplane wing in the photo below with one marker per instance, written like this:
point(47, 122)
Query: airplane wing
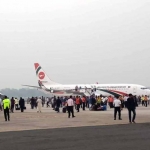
point(71, 91)
point(32, 86)
point(37, 87)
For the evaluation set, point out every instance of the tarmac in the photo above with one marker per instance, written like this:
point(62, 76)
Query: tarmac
point(88, 130)
point(115, 137)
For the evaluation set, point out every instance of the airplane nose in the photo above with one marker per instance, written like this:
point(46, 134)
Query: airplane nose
point(148, 92)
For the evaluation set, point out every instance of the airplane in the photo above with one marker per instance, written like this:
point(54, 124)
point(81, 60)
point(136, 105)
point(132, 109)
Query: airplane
point(57, 89)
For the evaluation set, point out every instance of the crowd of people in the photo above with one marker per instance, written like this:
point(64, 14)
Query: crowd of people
point(144, 100)
point(14, 104)
point(8, 106)
point(93, 103)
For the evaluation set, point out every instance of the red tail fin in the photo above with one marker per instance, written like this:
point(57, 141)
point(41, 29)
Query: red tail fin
point(36, 65)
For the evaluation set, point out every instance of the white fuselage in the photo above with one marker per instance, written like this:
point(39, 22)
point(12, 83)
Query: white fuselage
point(104, 89)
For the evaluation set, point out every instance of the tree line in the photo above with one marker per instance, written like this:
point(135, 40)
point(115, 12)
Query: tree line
point(23, 92)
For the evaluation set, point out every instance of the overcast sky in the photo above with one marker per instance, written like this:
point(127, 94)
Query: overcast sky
point(75, 41)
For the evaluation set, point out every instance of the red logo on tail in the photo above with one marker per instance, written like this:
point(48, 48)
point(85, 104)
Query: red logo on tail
point(41, 75)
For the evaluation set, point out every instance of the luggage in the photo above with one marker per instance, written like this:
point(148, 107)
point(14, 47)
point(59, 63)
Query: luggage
point(24, 108)
point(64, 110)
point(17, 108)
point(56, 109)
point(99, 108)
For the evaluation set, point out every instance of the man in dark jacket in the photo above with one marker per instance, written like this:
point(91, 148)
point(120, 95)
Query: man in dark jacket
point(32, 102)
point(58, 103)
point(12, 104)
point(131, 105)
point(21, 103)
point(93, 102)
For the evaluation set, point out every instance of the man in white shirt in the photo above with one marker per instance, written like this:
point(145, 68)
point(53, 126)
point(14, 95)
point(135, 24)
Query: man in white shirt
point(117, 107)
point(39, 104)
point(16, 103)
point(125, 100)
point(70, 104)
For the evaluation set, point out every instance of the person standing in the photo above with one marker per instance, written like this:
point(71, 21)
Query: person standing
point(16, 103)
point(125, 100)
point(70, 105)
point(32, 102)
point(12, 104)
point(122, 101)
point(43, 101)
point(98, 101)
point(136, 100)
point(22, 104)
point(145, 100)
point(110, 101)
point(39, 105)
point(78, 104)
point(58, 103)
point(28, 100)
point(90, 102)
point(93, 102)
point(83, 102)
point(6, 107)
point(80, 101)
point(139, 100)
point(47, 102)
point(117, 107)
point(142, 98)
point(131, 105)
point(87, 101)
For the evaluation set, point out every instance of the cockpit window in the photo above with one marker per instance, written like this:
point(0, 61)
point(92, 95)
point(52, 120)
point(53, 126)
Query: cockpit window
point(143, 88)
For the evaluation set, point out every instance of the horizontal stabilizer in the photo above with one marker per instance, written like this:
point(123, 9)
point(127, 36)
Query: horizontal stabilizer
point(32, 86)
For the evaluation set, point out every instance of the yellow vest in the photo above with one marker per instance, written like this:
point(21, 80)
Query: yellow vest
point(142, 98)
point(6, 103)
point(98, 100)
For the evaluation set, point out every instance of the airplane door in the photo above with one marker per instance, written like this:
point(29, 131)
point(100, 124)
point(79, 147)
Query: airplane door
point(134, 90)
